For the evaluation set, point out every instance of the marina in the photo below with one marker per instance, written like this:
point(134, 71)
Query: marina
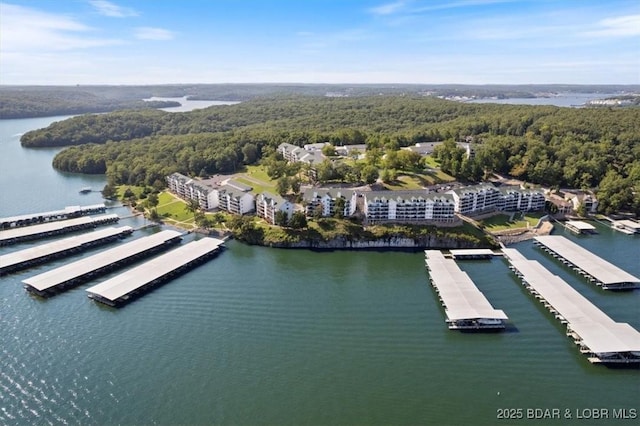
point(43, 253)
point(587, 264)
point(51, 216)
point(598, 336)
point(12, 236)
point(122, 288)
point(72, 274)
point(626, 226)
point(465, 306)
point(580, 227)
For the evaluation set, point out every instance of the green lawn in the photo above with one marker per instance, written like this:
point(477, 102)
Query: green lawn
point(502, 221)
point(257, 187)
point(405, 182)
point(257, 178)
point(137, 190)
point(173, 208)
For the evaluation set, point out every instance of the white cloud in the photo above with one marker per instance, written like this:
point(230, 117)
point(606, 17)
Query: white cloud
point(621, 26)
point(107, 8)
point(387, 9)
point(24, 29)
point(151, 33)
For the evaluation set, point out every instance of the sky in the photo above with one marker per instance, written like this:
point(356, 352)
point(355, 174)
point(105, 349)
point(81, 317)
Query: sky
point(73, 42)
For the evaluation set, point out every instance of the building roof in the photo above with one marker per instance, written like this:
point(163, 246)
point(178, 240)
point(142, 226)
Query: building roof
point(311, 193)
point(100, 260)
point(277, 200)
point(407, 195)
point(461, 297)
point(238, 185)
point(595, 266)
point(474, 188)
point(66, 211)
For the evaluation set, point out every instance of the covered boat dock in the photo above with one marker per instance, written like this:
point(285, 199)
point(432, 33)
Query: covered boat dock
point(45, 252)
point(580, 227)
point(599, 337)
point(466, 254)
point(12, 236)
point(587, 264)
point(51, 282)
point(35, 218)
point(122, 288)
point(465, 306)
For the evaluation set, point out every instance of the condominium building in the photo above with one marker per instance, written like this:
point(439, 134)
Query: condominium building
point(267, 205)
point(408, 206)
point(513, 199)
point(475, 199)
point(325, 199)
point(190, 189)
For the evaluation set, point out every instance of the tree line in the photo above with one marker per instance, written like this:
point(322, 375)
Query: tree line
point(561, 147)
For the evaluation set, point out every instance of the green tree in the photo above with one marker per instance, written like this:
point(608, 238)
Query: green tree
point(329, 150)
point(192, 206)
point(152, 199)
point(109, 191)
point(298, 220)
point(282, 185)
point(281, 218)
point(338, 211)
point(369, 174)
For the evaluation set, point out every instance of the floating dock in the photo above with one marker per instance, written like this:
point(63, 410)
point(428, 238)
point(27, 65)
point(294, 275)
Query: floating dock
point(627, 226)
point(587, 264)
point(12, 236)
point(72, 274)
point(122, 288)
point(599, 337)
point(35, 218)
point(465, 306)
point(467, 254)
point(580, 227)
point(43, 253)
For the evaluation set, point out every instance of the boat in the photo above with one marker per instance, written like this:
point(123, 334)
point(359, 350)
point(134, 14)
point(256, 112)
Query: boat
point(85, 190)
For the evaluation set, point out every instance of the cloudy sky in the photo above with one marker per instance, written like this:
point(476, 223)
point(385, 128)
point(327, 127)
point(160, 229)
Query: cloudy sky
point(319, 41)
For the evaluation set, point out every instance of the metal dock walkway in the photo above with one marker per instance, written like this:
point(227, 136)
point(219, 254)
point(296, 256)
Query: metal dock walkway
point(587, 264)
point(53, 281)
point(123, 287)
point(465, 306)
point(12, 236)
point(599, 337)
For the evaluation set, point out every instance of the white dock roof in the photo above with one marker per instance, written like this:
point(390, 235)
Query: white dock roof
point(58, 246)
point(595, 266)
point(461, 297)
point(129, 281)
point(580, 225)
point(628, 224)
point(596, 329)
point(89, 264)
point(67, 210)
point(471, 252)
point(52, 226)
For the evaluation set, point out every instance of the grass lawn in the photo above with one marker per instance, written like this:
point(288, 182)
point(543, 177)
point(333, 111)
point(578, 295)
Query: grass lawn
point(173, 208)
point(260, 173)
point(257, 187)
point(257, 178)
point(137, 190)
point(502, 221)
point(405, 182)
point(431, 162)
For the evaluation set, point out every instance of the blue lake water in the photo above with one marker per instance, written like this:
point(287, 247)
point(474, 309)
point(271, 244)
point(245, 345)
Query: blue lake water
point(267, 336)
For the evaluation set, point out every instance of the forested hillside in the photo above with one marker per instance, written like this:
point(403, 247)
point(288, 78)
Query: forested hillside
point(584, 148)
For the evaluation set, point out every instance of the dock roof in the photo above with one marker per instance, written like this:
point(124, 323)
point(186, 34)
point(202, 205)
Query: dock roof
point(58, 246)
point(100, 260)
point(53, 226)
point(580, 225)
point(598, 268)
point(460, 295)
point(135, 278)
point(462, 253)
point(596, 329)
point(66, 211)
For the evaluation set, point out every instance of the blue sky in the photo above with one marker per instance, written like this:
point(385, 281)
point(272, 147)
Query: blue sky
point(319, 41)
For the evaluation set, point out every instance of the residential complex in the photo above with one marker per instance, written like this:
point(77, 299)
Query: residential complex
point(231, 196)
point(408, 206)
point(326, 199)
point(484, 198)
point(267, 205)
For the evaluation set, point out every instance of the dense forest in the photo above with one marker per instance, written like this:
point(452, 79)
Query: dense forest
point(562, 147)
point(40, 101)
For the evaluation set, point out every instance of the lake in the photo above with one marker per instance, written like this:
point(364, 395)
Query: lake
point(288, 337)
point(561, 99)
point(187, 104)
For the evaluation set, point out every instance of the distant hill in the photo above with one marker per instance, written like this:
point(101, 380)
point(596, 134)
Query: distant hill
point(40, 101)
